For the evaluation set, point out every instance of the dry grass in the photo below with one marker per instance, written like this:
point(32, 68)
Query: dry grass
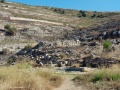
point(104, 79)
point(107, 54)
point(75, 65)
point(45, 13)
point(23, 77)
point(55, 81)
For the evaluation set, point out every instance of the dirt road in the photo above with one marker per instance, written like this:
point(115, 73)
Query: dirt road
point(34, 20)
point(68, 84)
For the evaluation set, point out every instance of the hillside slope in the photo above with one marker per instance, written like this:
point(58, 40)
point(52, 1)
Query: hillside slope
point(37, 23)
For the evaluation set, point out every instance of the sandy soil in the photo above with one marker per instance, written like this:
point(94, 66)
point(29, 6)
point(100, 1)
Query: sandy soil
point(68, 84)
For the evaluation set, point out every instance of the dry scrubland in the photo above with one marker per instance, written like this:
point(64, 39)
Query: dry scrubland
point(69, 17)
point(23, 77)
point(104, 79)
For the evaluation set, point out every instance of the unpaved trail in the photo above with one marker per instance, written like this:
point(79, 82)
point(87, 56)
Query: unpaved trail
point(34, 20)
point(68, 84)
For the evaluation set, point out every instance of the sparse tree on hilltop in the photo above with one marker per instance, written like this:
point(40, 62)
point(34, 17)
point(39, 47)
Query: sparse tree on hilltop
point(81, 14)
point(2, 1)
point(93, 16)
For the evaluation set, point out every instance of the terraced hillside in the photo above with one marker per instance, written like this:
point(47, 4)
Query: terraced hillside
point(69, 17)
point(37, 23)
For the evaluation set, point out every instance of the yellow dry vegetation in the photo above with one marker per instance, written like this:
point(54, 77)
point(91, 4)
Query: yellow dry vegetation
point(23, 77)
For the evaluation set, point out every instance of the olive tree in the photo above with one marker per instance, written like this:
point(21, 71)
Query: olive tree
point(2, 1)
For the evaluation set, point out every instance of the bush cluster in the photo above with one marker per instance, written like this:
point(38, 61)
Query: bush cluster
point(28, 47)
point(2, 1)
point(10, 30)
point(81, 14)
point(5, 51)
point(58, 10)
point(106, 46)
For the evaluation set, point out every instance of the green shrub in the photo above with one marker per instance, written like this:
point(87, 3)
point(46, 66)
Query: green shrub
point(106, 76)
point(5, 51)
point(7, 26)
point(81, 14)
point(93, 16)
point(27, 47)
point(10, 61)
point(101, 16)
point(106, 45)
point(57, 10)
point(104, 79)
point(10, 30)
point(102, 75)
point(98, 76)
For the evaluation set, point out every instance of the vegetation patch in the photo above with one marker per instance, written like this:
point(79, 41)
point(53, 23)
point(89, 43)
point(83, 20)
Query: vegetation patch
point(104, 79)
point(28, 47)
point(56, 80)
point(10, 31)
point(2, 1)
point(5, 51)
point(18, 77)
point(106, 45)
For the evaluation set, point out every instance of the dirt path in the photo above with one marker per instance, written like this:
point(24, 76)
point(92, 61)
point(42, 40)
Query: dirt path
point(68, 84)
point(34, 20)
